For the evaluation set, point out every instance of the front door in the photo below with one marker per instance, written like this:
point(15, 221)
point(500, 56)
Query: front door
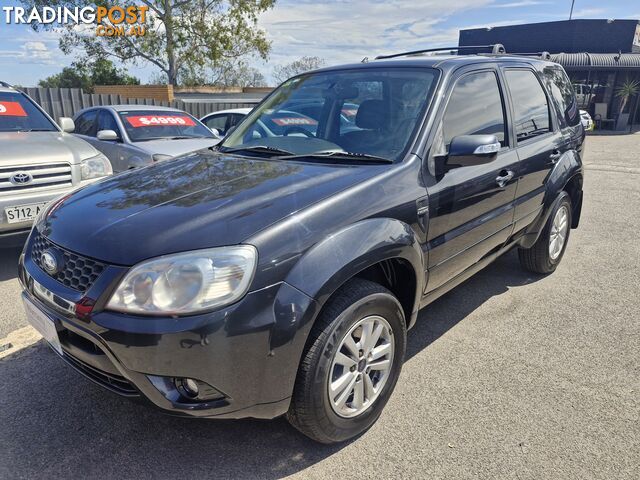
point(471, 208)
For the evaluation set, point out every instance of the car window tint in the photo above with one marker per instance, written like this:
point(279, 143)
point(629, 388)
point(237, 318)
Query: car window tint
point(107, 122)
point(85, 123)
point(219, 122)
point(563, 96)
point(529, 103)
point(475, 108)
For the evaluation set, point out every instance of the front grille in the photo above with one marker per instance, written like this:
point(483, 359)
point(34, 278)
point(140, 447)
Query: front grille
point(29, 178)
point(78, 272)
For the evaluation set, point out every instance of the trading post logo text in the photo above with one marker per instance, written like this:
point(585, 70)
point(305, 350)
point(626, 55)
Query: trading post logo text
point(109, 21)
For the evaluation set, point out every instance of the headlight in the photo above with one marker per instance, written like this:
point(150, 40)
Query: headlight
point(186, 283)
point(159, 157)
point(95, 167)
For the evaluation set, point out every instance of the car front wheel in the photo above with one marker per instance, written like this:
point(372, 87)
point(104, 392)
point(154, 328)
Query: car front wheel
point(351, 364)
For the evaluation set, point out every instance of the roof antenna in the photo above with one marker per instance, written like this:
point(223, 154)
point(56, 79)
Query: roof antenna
point(365, 60)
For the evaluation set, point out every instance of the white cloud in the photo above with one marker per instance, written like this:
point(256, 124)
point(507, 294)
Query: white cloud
point(523, 3)
point(346, 31)
point(32, 52)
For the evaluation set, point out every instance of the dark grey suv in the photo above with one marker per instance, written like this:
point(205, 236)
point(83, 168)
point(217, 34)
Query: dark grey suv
point(279, 272)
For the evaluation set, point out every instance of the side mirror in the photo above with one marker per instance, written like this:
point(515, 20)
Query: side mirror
point(107, 136)
point(469, 150)
point(66, 124)
point(216, 132)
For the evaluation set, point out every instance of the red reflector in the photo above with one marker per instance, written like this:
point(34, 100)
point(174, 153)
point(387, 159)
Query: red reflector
point(84, 307)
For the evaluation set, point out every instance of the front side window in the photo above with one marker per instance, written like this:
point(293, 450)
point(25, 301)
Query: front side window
point(19, 114)
point(372, 112)
point(107, 122)
point(219, 122)
point(563, 95)
point(144, 125)
point(475, 108)
point(529, 103)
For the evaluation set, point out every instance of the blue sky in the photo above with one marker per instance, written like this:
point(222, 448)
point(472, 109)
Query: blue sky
point(337, 30)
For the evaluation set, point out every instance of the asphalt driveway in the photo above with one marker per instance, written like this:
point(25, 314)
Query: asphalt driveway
point(509, 376)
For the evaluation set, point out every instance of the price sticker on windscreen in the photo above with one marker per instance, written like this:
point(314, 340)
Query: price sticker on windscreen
point(160, 121)
point(11, 109)
point(288, 121)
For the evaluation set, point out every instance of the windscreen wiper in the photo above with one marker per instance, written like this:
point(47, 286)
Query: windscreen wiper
point(259, 149)
point(340, 155)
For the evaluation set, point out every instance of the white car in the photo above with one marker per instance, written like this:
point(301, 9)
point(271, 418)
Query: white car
point(587, 121)
point(40, 161)
point(220, 122)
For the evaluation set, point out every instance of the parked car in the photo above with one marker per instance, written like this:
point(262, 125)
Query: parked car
point(222, 121)
point(39, 162)
point(279, 273)
point(587, 121)
point(136, 135)
point(303, 114)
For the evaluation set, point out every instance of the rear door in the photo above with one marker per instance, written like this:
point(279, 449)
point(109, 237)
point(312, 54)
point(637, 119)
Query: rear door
point(470, 208)
point(539, 141)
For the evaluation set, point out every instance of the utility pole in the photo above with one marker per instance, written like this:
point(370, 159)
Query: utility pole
point(571, 12)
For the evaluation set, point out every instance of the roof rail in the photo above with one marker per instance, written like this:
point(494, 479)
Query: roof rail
point(541, 55)
point(495, 49)
point(5, 84)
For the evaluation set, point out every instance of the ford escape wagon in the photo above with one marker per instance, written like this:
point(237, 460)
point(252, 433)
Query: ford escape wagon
point(278, 273)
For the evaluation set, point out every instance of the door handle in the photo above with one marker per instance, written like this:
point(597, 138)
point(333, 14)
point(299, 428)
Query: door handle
point(504, 177)
point(555, 156)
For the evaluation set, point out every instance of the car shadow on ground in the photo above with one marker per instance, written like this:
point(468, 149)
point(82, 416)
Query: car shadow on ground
point(55, 423)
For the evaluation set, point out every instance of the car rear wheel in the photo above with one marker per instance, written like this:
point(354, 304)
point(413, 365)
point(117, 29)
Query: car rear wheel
point(351, 364)
point(545, 255)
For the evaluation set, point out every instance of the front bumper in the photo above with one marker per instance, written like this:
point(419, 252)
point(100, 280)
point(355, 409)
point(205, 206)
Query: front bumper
point(248, 352)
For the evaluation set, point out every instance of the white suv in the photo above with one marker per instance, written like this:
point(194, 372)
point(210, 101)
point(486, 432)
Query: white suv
point(39, 162)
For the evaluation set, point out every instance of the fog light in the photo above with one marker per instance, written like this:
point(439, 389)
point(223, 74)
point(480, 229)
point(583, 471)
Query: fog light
point(188, 387)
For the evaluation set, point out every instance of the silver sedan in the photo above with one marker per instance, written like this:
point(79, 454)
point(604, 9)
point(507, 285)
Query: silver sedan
point(136, 135)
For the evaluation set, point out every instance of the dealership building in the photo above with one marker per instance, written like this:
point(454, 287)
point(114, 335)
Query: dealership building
point(602, 57)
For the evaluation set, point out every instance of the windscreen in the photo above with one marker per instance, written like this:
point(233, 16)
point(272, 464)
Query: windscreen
point(372, 111)
point(19, 114)
point(144, 125)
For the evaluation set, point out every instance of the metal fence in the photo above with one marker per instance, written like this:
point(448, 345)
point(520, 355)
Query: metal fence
point(66, 102)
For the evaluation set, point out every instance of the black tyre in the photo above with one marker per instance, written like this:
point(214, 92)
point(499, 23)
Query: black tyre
point(351, 364)
point(545, 255)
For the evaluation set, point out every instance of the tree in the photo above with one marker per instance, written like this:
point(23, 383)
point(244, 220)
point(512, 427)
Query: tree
point(180, 34)
point(85, 74)
point(231, 74)
point(303, 64)
point(626, 91)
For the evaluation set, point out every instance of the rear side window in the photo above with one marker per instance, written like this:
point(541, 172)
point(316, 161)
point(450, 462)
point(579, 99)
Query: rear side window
point(85, 123)
point(529, 103)
point(563, 95)
point(475, 108)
